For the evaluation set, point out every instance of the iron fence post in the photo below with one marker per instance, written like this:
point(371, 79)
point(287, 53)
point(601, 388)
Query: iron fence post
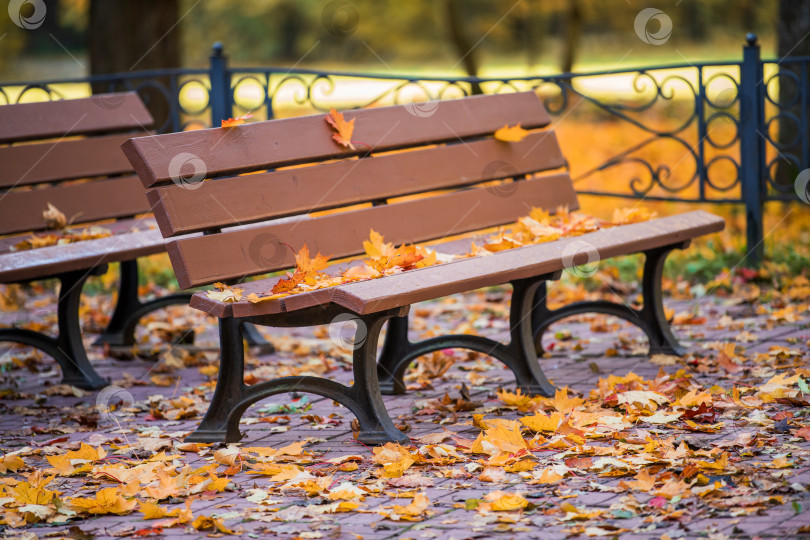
point(220, 86)
point(752, 148)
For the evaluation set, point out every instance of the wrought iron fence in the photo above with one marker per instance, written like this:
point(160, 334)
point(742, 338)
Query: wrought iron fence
point(732, 133)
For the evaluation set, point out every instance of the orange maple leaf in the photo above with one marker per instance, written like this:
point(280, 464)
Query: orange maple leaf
point(307, 270)
point(233, 122)
point(343, 129)
point(511, 133)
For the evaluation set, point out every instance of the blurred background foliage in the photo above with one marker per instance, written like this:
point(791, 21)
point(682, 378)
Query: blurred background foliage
point(524, 36)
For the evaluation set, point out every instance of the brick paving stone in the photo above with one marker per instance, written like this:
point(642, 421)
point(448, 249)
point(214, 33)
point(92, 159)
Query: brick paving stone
point(563, 365)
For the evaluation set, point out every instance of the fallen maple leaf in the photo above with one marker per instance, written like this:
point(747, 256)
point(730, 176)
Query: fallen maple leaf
point(54, 218)
point(106, 501)
point(344, 130)
point(502, 501)
point(233, 122)
point(511, 134)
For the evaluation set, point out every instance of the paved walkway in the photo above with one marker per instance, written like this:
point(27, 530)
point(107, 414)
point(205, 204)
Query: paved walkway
point(675, 452)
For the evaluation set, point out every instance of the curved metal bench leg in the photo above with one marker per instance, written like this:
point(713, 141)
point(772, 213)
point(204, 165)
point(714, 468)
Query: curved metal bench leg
point(129, 310)
point(232, 397)
point(650, 318)
point(67, 348)
point(519, 355)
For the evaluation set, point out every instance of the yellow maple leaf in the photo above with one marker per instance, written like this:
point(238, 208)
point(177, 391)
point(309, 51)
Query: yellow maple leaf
point(343, 129)
point(106, 501)
point(11, 463)
point(511, 133)
point(541, 422)
point(546, 476)
point(643, 481)
point(153, 511)
point(517, 399)
point(502, 501)
point(203, 523)
point(33, 490)
point(413, 510)
point(562, 402)
point(395, 459)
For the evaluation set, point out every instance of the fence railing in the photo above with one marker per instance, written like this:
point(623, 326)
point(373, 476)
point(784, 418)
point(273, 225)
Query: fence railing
point(729, 133)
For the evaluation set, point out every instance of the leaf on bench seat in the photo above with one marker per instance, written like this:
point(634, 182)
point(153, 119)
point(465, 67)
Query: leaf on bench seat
point(344, 130)
point(511, 133)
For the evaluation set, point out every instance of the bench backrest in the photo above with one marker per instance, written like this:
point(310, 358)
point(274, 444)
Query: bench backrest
point(416, 174)
point(68, 153)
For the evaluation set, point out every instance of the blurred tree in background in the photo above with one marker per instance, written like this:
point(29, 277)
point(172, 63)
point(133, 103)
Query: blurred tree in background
point(552, 35)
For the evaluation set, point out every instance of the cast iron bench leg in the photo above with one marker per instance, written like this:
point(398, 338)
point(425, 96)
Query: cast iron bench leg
point(129, 309)
point(67, 347)
point(650, 318)
point(232, 396)
point(519, 355)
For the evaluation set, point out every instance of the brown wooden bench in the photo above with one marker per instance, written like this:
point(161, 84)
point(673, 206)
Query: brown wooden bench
point(67, 153)
point(449, 157)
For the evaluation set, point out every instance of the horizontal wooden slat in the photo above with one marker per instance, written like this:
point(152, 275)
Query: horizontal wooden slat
point(64, 160)
point(81, 203)
point(256, 197)
point(468, 274)
point(275, 143)
point(52, 119)
point(255, 250)
point(49, 261)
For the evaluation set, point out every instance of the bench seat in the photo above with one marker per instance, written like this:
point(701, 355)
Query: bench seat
point(463, 275)
point(131, 239)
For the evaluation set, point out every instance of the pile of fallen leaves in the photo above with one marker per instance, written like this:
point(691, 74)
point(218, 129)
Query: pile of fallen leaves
point(56, 221)
point(384, 259)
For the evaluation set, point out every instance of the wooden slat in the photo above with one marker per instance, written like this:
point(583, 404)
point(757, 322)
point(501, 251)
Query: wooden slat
point(255, 250)
point(49, 261)
point(469, 274)
point(81, 203)
point(256, 197)
point(52, 119)
point(65, 160)
point(276, 143)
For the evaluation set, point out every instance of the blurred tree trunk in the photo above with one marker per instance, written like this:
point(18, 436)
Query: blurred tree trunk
point(527, 25)
point(793, 29)
point(468, 56)
point(134, 35)
point(573, 28)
